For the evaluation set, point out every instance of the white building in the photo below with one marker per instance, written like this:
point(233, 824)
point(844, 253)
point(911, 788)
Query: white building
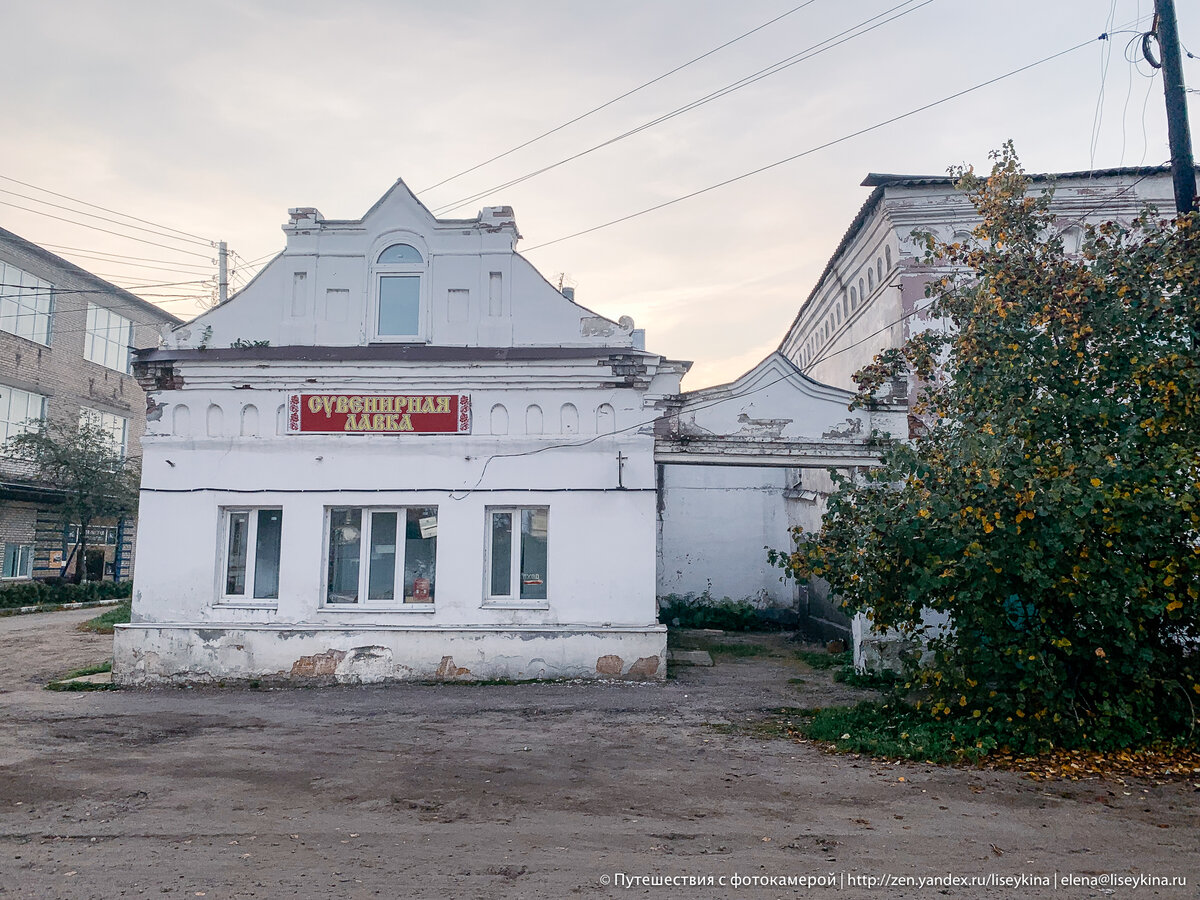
point(398, 453)
point(871, 295)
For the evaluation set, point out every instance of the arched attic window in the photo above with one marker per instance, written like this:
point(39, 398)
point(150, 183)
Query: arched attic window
point(398, 307)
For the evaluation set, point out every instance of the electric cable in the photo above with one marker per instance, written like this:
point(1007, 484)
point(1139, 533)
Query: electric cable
point(811, 150)
point(80, 212)
point(106, 209)
point(608, 103)
point(88, 253)
point(128, 237)
point(774, 68)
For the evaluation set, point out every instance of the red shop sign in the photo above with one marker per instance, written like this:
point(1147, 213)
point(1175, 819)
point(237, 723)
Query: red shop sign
point(379, 414)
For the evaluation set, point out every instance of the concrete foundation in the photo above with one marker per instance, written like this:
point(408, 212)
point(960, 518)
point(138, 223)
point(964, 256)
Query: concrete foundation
point(156, 654)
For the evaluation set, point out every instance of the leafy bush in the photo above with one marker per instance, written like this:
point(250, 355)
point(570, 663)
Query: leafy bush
point(1050, 508)
point(36, 593)
point(702, 611)
point(899, 731)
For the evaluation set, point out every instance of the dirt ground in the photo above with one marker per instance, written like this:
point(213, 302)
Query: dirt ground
point(531, 791)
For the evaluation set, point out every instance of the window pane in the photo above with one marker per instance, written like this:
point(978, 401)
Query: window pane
point(235, 571)
point(501, 554)
point(10, 561)
point(345, 538)
point(533, 553)
point(420, 554)
point(381, 579)
point(400, 253)
point(266, 554)
point(108, 338)
point(399, 304)
point(25, 561)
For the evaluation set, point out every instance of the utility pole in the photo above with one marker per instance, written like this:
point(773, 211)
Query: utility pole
point(1183, 168)
point(222, 272)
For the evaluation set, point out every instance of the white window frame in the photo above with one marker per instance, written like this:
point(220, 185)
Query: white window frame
point(246, 598)
point(24, 557)
point(513, 598)
point(117, 426)
point(108, 339)
point(26, 298)
point(379, 271)
point(9, 427)
point(398, 601)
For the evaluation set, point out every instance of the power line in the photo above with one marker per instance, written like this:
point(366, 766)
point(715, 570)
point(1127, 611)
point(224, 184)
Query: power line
point(119, 256)
point(80, 212)
point(105, 209)
point(127, 237)
point(811, 150)
point(1098, 115)
point(608, 103)
point(117, 262)
point(815, 50)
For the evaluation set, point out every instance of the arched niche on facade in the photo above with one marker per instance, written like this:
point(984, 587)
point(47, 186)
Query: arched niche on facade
point(533, 419)
point(181, 420)
point(606, 419)
point(249, 426)
point(569, 419)
point(498, 420)
point(215, 421)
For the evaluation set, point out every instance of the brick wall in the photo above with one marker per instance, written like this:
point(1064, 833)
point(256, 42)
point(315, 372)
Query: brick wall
point(60, 372)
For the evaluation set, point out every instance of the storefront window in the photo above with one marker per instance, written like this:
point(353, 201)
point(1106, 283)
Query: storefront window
point(252, 548)
point(517, 563)
point(393, 562)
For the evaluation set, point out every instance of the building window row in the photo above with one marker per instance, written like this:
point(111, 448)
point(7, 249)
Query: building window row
point(19, 411)
point(848, 303)
point(109, 338)
point(385, 556)
point(115, 428)
point(18, 561)
point(26, 304)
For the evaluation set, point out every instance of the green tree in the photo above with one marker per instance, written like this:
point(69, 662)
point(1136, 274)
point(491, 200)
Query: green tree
point(1051, 508)
point(80, 460)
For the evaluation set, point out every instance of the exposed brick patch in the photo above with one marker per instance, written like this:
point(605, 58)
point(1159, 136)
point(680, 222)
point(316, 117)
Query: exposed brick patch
point(646, 667)
point(609, 665)
point(318, 665)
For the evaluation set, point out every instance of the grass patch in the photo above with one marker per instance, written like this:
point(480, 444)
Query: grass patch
point(739, 650)
point(783, 723)
point(65, 684)
point(819, 659)
point(897, 732)
point(877, 681)
point(103, 623)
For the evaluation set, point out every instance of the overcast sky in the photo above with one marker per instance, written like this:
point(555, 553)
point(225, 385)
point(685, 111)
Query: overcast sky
point(215, 117)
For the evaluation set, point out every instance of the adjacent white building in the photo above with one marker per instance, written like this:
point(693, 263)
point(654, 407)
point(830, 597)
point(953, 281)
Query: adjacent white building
point(789, 414)
point(398, 453)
